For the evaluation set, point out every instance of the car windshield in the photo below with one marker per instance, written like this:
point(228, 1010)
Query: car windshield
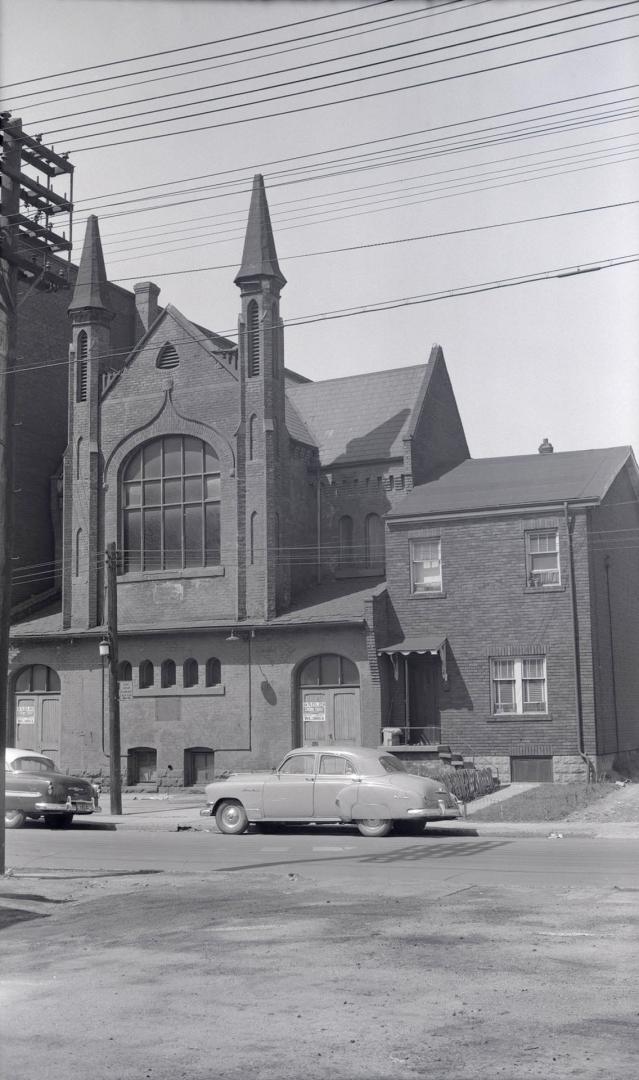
point(33, 765)
point(391, 764)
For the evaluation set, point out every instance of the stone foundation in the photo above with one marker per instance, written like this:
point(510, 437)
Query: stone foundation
point(499, 764)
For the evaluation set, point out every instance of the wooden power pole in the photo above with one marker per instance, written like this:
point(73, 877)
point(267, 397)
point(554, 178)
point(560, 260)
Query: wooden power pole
point(114, 698)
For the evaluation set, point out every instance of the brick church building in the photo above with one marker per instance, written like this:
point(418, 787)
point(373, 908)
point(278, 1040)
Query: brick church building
point(247, 504)
point(300, 562)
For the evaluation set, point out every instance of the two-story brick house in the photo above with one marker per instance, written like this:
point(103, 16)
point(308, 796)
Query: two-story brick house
point(247, 507)
point(513, 586)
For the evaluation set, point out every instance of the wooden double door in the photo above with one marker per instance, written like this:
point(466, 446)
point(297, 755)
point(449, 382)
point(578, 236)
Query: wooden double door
point(37, 723)
point(330, 715)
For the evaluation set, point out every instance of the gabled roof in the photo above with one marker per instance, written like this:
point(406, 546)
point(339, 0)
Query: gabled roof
point(259, 258)
point(91, 286)
point(360, 417)
point(526, 481)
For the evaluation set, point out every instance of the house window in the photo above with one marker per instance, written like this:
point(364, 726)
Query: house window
point(375, 542)
point(426, 566)
point(190, 673)
point(213, 672)
point(146, 676)
point(542, 559)
point(253, 339)
point(170, 498)
point(346, 540)
point(167, 674)
point(519, 685)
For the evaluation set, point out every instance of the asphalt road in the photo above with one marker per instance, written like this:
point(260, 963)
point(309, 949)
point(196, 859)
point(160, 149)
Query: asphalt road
point(334, 856)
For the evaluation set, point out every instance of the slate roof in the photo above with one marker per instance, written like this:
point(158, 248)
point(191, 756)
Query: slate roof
point(527, 480)
point(259, 258)
point(356, 418)
point(91, 286)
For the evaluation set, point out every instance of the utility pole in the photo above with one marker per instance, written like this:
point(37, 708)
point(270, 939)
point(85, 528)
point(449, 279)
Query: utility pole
point(114, 696)
point(28, 244)
point(8, 340)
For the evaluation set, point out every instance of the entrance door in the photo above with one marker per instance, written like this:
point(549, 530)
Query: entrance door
point(329, 701)
point(38, 723)
point(330, 715)
point(424, 719)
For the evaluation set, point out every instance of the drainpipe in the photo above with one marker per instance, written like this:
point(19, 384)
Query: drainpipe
point(612, 653)
point(319, 525)
point(575, 649)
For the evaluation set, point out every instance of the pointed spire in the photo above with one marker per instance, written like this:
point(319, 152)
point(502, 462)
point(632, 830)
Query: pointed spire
point(259, 258)
point(91, 283)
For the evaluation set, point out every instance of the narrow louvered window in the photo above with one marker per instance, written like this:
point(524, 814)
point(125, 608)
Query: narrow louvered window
point(167, 357)
point(253, 339)
point(82, 367)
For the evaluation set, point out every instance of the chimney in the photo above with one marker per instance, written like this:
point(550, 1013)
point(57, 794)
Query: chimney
point(546, 447)
point(146, 305)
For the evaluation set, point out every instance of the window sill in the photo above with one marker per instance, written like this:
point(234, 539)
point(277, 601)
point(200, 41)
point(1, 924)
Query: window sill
point(181, 691)
point(505, 718)
point(541, 590)
point(357, 572)
point(428, 595)
point(172, 575)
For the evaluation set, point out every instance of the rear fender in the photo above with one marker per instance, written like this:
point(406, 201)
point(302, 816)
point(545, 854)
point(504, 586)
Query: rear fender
point(370, 809)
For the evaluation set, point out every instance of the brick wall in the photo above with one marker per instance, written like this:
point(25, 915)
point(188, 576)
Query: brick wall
point(486, 610)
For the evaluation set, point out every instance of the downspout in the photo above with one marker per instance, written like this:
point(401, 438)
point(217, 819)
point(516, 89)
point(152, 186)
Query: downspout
point(575, 651)
point(612, 653)
point(318, 500)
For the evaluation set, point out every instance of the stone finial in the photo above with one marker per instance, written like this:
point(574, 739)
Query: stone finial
point(546, 447)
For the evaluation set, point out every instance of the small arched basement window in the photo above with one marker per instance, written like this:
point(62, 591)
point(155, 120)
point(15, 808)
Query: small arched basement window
point(167, 357)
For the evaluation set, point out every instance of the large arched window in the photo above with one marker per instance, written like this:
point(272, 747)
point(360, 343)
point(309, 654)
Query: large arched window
point(345, 540)
point(253, 338)
point(375, 542)
point(170, 498)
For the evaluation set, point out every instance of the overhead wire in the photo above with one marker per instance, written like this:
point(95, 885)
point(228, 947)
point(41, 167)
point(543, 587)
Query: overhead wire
point(350, 100)
point(346, 82)
point(328, 60)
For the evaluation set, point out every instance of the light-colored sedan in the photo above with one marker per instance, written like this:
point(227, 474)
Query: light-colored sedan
point(351, 785)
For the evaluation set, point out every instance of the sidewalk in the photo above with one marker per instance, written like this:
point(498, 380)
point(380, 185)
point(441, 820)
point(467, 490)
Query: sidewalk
point(182, 812)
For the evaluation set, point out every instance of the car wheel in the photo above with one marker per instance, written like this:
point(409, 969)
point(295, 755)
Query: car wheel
point(374, 826)
point(230, 817)
point(14, 819)
point(410, 828)
point(58, 821)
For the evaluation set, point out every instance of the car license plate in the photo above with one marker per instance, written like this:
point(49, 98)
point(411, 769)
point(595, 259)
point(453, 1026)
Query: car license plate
point(83, 807)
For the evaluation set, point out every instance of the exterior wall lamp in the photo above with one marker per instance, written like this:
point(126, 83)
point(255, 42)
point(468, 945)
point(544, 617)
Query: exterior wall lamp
point(104, 648)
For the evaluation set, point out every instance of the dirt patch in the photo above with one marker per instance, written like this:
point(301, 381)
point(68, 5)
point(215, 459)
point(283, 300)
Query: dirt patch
point(548, 802)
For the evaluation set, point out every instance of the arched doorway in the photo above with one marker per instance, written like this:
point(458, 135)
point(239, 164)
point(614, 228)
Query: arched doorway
point(36, 709)
point(329, 700)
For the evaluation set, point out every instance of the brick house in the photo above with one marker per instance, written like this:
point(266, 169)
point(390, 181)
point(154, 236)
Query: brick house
point(512, 597)
point(247, 504)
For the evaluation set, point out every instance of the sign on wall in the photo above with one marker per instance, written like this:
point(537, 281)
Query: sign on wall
point(314, 710)
point(25, 712)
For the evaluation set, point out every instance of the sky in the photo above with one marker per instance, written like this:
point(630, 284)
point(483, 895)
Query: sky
point(423, 137)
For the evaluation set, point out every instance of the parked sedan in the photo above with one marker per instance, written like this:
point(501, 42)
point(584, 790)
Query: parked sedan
point(355, 785)
point(34, 789)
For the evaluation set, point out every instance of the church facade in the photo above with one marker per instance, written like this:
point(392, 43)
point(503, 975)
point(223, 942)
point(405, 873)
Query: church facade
point(247, 507)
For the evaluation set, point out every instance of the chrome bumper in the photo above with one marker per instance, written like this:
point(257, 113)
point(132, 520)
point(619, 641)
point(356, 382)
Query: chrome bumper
point(206, 811)
point(66, 808)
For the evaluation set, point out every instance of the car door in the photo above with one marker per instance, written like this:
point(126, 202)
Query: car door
point(289, 794)
point(335, 772)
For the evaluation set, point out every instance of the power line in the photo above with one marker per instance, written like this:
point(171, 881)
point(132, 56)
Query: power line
point(197, 45)
point(369, 309)
point(357, 98)
point(316, 63)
